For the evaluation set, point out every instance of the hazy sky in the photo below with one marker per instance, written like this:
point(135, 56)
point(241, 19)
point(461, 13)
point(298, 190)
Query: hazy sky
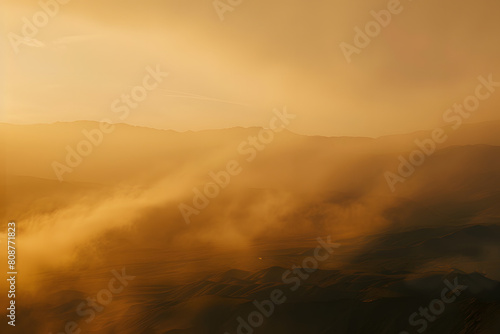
point(264, 54)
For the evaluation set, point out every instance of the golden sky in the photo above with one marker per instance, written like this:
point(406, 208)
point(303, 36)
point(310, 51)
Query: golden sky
point(264, 54)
